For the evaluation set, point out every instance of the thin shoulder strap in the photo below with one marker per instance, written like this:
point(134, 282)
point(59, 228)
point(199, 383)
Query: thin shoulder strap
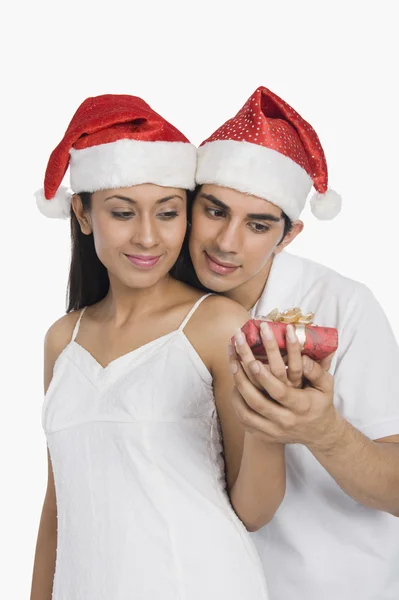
point(76, 329)
point(192, 311)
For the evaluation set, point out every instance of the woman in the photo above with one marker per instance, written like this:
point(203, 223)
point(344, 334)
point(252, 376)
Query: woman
point(136, 475)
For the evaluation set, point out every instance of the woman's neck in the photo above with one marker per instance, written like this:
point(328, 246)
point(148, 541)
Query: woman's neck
point(122, 302)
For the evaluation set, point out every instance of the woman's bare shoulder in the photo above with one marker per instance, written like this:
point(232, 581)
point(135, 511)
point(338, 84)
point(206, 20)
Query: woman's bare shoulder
point(56, 339)
point(212, 327)
point(223, 313)
point(59, 335)
point(218, 319)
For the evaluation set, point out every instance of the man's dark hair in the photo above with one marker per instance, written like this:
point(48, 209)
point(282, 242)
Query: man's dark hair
point(288, 225)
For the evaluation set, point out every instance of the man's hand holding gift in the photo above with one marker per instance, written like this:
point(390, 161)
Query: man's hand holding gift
point(286, 396)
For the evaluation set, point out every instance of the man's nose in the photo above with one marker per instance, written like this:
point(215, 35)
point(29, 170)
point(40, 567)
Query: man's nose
point(228, 239)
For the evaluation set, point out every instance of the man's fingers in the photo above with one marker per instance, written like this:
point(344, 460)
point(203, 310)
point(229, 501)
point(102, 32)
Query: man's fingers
point(326, 362)
point(251, 420)
point(243, 353)
point(254, 398)
point(232, 352)
point(269, 385)
point(317, 375)
point(295, 367)
point(274, 358)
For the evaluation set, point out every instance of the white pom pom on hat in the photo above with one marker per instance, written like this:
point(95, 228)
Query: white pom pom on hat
point(58, 207)
point(326, 206)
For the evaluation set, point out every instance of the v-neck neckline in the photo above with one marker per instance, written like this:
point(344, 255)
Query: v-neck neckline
point(120, 358)
point(103, 369)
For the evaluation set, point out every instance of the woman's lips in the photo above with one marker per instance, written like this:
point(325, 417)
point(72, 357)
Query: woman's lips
point(143, 262)
point(218, 267)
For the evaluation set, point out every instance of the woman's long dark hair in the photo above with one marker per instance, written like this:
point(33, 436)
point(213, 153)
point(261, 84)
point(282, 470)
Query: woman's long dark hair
point(183, 269)
point(88, 281)
point(88, 278)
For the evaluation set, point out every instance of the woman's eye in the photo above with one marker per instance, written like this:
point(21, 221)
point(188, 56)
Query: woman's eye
point(215, 212)
point(259, 227)
point(122, 214)
point(170, 214)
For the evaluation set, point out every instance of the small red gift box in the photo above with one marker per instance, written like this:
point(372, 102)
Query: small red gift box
point(316, 342)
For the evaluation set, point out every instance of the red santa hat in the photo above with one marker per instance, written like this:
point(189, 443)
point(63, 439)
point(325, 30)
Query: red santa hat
point(115, 141)
point(268, 150)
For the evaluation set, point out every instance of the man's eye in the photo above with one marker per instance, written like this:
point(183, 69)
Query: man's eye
point(259, 227)
point(215, 212)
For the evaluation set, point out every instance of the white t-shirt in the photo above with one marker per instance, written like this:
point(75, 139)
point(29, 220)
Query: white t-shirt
point(321, 544)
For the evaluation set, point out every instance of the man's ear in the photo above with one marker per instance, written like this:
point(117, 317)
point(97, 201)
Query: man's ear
point(82, 215)
point(297, 228)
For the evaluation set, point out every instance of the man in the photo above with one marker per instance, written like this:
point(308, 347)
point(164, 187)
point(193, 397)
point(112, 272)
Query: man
point(336, 535)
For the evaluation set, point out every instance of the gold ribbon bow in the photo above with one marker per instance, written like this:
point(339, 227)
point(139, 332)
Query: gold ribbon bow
point(295, 317)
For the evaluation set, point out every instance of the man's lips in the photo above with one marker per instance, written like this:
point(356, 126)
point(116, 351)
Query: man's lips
point(222, 268)
point(143, 261)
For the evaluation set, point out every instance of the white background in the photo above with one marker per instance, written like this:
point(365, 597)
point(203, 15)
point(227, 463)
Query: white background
point(196, 64)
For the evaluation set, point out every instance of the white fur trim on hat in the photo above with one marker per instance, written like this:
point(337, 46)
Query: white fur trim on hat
point(58, 207)
point(132, 162)
point(255, 170)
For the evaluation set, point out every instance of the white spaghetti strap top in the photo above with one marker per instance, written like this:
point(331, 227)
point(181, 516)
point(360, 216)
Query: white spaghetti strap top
point(182, 326)
point(192, 311)
point(76, 328)
point(137, 457)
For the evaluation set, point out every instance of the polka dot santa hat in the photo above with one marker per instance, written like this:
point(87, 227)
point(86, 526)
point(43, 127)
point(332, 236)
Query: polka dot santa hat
point(268, 150)
point(115, 141)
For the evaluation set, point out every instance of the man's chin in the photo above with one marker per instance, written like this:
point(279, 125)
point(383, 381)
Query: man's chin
point(216, 283)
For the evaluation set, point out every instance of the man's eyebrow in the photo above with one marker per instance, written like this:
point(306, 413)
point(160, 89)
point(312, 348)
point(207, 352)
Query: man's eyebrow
point(132, 201)
point(216, 202)
point(264, 217)
point(255, 216)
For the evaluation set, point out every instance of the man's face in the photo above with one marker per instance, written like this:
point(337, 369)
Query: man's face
point(234, 237)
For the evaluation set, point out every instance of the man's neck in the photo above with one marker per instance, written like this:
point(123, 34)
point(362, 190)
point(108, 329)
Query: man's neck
point(249, 293)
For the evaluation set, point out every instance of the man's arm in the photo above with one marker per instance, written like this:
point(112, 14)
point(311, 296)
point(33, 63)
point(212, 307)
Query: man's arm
point(366, 390)
point(366, 470)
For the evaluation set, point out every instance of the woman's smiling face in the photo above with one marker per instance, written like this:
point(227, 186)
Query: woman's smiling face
point(138, 231)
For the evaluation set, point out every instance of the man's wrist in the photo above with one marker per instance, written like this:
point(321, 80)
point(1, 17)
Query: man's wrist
point(334, 436)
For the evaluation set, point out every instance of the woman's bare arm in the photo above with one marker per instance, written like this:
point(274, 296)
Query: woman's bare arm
point(56, 339)
point(44, 565)
point(255, 470)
